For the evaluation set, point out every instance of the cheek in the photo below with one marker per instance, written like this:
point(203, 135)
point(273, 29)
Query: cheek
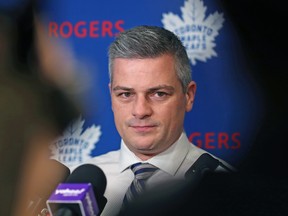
point(119, 121)
point(120, 113)
point(172, 115)
point(116, 106)
point(179, 113)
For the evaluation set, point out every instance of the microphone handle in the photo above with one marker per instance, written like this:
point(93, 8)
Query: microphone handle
point(44, 212)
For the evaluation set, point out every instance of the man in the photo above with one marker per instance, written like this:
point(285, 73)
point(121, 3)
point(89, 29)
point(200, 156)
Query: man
point(151, 90)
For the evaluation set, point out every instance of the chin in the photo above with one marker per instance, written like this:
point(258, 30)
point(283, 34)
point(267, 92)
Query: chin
point(143, 147)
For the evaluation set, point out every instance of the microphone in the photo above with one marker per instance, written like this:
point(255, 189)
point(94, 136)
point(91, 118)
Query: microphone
point(203, 165)
point(82, 194)
point(55, 172)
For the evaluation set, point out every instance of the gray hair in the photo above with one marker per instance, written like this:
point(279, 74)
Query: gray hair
point(150, 42)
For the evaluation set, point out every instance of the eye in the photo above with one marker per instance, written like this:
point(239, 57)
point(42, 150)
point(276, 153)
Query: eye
point(160, 94)
point(124, 94)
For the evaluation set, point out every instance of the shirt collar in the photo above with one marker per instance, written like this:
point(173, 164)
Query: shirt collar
point(127, 158)
point(168, 161)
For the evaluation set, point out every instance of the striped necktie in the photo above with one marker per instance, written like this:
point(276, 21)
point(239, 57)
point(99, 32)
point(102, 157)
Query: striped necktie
point(142, 171)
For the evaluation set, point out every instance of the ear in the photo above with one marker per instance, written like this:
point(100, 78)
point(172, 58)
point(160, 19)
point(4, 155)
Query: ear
point(109, 86)
point(190, 95)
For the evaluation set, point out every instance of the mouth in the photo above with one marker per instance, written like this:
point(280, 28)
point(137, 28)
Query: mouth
point(143, 128)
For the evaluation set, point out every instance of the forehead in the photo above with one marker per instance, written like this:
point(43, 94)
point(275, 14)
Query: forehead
point(147, 72)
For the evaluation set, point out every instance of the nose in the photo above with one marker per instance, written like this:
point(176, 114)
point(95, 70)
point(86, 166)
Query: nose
point(141, 107)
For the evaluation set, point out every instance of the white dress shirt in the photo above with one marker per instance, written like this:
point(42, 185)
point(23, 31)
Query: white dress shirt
point(172, 163)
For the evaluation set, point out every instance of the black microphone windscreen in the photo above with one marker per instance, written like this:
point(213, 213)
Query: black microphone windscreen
point(205, 163)
point(89, 173)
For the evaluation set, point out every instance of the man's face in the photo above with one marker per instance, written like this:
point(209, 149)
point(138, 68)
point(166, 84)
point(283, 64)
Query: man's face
point(149, 104)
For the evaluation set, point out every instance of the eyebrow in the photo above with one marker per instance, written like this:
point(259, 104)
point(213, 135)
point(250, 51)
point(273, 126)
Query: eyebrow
point(166, 87)
point(117, 88)
point(155, 88)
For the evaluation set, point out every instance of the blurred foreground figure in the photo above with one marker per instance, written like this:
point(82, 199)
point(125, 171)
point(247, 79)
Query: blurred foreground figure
point(33, 112)
point(30, 120)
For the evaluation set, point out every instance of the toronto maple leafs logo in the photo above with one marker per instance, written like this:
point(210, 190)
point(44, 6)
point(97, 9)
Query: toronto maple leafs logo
point(196, 33)
point(75, 145)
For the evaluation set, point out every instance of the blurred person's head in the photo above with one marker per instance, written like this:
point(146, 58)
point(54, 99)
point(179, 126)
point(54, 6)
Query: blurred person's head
point(32, 116)
point(33, 110)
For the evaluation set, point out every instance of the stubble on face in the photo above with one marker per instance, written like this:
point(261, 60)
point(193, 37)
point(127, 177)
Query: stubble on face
point(148, 104)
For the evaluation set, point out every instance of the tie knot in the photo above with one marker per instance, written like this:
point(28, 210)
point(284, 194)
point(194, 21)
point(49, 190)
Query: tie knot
point(143, 170)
